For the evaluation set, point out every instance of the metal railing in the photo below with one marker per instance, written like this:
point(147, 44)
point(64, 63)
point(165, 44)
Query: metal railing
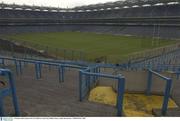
point(88, 78)
point(167, 88)
point(11, 90)
point(38, 66)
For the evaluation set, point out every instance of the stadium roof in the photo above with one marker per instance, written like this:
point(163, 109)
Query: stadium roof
point(127, 3)
point(93, 7)
point(57, 3)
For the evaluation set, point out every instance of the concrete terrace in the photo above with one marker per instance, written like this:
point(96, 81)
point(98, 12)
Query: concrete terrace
point(48, 97)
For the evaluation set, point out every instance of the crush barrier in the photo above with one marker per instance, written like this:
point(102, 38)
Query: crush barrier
point(19, 65)
point(166, 91)
point(10, 90)
point(162, 52)
point(166, 59)
point(29, 48)
point(88, 79)
point(157, 67)
point(89, 76)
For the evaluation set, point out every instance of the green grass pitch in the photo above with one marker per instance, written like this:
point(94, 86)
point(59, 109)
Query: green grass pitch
point(114, 47)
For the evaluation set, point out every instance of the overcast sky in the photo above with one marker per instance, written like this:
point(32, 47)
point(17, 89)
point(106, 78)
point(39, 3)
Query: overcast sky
point(57, 3)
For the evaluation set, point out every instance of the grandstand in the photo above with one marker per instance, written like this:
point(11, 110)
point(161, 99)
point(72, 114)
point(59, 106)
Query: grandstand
point(132, 17)
point(51, 86)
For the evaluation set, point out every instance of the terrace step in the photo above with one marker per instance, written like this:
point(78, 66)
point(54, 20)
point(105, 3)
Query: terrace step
point(175, 112)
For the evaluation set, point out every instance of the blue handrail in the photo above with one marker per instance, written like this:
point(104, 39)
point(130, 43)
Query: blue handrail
point(11, 90)
point(38, 65)
point(167, 88)
point(96, 74)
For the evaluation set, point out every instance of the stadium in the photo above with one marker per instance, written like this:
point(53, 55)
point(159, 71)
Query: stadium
point(109, 59)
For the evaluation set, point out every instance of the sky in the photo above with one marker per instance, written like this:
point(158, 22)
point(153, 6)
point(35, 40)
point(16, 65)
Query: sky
point(57, 3)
